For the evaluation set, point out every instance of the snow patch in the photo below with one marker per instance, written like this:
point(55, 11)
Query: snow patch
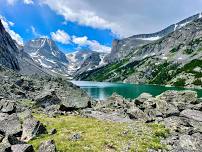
point(164, 58)
point(200, 15)
point(44, 65)
point(150, 38)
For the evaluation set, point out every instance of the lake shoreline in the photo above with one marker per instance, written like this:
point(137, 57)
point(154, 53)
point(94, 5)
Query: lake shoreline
point(103, 90)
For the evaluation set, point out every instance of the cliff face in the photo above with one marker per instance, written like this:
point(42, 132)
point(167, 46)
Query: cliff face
point(8, 50)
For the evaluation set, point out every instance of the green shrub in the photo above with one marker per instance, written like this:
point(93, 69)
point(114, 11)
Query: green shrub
point(180, 82)
point(173, 50)
point(188, 51)
point(197, 82)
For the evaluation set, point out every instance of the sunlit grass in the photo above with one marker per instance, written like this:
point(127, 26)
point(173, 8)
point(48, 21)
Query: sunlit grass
point(99, 136)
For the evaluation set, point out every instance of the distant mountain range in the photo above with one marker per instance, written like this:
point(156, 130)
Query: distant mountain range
point(42, 56)
point(121, 48)
point(173, 57)
point(45, 53)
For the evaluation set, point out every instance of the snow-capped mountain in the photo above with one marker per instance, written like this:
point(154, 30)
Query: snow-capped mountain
point(121, 48)
point(84, 60)
point(45, 52)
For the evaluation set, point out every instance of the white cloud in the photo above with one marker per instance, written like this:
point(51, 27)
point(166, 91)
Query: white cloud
point(92, 44)
point(60, 36)
point(125, 17)
point(80, 15)
point(12, 2)
point(34, 32)
point(80, 40)
point(28, 2)
point(7, 25)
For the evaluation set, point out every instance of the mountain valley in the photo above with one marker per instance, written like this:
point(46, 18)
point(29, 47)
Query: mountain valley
point(41, 110)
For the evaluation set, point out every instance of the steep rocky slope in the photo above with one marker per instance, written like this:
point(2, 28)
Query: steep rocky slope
point(174, 59)
point(123, 47)
point(12, 56)
point(44, 52)
point(8, 50)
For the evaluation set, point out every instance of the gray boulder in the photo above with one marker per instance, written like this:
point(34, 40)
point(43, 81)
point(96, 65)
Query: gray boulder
point(47, 98)
point(7, 106)
point(142, 98)
point(171, 110)
point(22, 148)
point(10, 125)
point(47, 146)
point(190, 143)
point(192, 114)
point(75, 137)
point(32, 128)
point(177, 124)
point(71, 103)
point(136, 113)
point(180, 99)
point(7, 142)
point(3, 116)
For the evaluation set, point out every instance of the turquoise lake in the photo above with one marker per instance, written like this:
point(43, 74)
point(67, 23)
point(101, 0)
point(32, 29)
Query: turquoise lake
point(102, 90)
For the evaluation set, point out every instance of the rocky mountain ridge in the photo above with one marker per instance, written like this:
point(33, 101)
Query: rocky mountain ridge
point(45, 53)
point(84, 60)
point(174, 59)
point(121, 48)
point(12, 56)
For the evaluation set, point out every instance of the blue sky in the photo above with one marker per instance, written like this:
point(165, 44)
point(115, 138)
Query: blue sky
point(75, 24)
point(44, 21)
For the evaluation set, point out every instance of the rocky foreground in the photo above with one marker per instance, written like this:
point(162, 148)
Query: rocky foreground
point(36, 114)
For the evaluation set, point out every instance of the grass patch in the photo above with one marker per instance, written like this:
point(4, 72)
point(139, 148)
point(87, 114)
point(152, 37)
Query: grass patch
point(99, 136)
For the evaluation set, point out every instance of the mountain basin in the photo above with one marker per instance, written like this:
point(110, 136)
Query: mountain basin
point(103, 90)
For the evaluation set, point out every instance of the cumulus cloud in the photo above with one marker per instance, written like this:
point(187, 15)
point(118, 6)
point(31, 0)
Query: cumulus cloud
point(125, 17)
point(60, 36)
point(92, 44)
point(82, 16)
point(80, 40)
point(7, 25)
point(12, 2)
point(28, 2)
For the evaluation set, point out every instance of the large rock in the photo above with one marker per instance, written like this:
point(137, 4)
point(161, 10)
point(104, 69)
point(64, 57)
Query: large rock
point(7, 106)
point(11, 125)
point(142, 98)
point(48, 146)
point(190, 143)
point(177, 124)
point(180, 99)
point(47, 98)
point(3, 116)
point(136, 113)
point(114, 103)
point(7, 142)
point(73, 103)
point(22, 148)
point(192, 114)
point(32, 128)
